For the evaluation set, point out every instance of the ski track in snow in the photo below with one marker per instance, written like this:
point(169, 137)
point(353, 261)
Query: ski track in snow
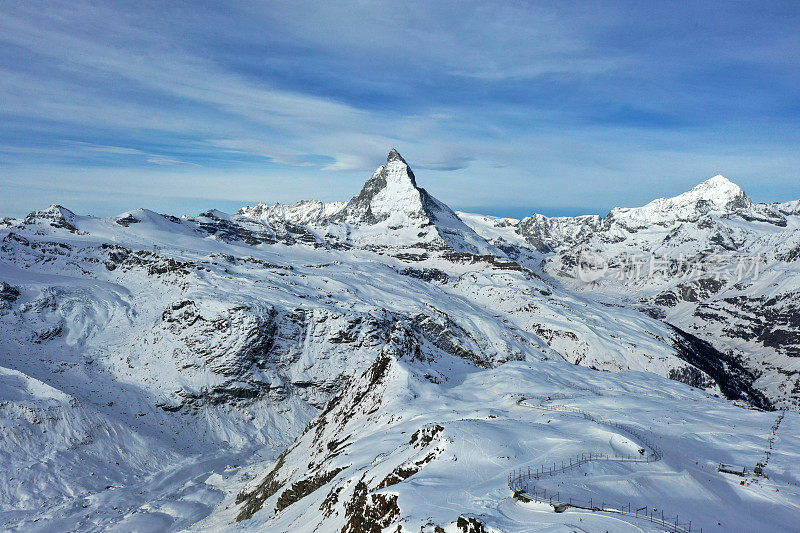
point(521, 482)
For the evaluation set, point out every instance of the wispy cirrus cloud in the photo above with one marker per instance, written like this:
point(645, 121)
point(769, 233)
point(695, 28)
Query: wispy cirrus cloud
point(512, 103)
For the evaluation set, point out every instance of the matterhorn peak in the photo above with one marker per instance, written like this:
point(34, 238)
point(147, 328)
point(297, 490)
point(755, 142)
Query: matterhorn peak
point(405, 212)
point(394, 155)
point(398, 169)
point(391, 192)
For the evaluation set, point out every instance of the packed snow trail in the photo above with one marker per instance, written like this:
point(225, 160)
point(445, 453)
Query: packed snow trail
point(519, 481)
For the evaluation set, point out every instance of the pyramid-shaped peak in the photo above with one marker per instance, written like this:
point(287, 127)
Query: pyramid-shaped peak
point(406, 213)
point(391, 192)
point(394, 155)
point(397, 171)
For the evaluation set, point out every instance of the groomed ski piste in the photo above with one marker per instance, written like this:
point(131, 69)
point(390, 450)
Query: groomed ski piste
point(579, 483)
point(527, 486)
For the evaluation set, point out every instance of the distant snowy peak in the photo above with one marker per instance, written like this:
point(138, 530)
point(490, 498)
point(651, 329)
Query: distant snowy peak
point(306, 212)
point(787, 208)
point(55, 215)
point(717, 196)
point(549, 233)
point(719, 192)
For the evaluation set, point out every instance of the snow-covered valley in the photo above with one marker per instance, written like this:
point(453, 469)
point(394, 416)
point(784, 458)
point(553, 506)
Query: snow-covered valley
point(363, 365)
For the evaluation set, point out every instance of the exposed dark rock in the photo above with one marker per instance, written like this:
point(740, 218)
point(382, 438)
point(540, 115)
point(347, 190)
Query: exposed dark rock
point(666, 299)
point(733, 379)
point(691, 376)
point(424, 436)
point(369, 513)
point(47, 334)
point(449, 337)
point(401, 473)
point(127, 220)
point(156, 265)
point(330, 500)
point(470, 524)
point(426, 274)
point(303, 488)
point(254, 233)
point(8, 294)
point(699, 290)
point(404, 256)
point(468, 258)
point(228, 231)
point(254, 500)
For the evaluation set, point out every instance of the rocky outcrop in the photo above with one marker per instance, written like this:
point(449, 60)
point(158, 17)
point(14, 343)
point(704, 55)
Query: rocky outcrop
point(352, 499)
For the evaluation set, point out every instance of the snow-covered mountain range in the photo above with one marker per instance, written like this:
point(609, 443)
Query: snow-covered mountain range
point(153, 367)
point(709, 261)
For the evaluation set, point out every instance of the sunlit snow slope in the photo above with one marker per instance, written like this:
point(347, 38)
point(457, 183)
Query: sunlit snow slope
point(153, 368)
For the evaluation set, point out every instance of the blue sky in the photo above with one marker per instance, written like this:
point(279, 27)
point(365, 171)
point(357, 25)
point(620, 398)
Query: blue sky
point(501, 107)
